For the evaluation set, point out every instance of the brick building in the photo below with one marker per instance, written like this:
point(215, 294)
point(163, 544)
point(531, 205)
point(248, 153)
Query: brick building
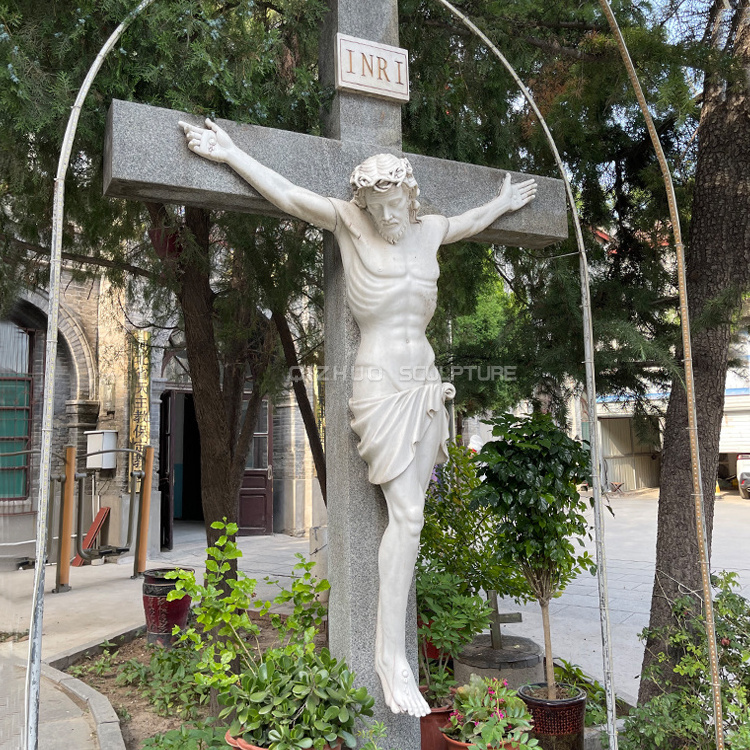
point(132, 386)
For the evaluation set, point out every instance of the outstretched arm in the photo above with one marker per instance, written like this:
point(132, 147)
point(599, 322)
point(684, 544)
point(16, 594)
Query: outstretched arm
point(511, 198)
point(214, 144)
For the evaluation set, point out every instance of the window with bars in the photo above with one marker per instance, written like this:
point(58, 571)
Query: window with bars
point(15, 411)
point(258, 455)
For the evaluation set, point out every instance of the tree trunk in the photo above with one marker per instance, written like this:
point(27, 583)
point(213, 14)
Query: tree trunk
point(218, 394)
point(224, 442)
point(219, 488)
point(303, 402)
point(717, 262)
point(549, 659)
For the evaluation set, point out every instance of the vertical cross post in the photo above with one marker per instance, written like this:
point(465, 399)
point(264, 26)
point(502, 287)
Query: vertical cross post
point(497, 619)
point(356, 510)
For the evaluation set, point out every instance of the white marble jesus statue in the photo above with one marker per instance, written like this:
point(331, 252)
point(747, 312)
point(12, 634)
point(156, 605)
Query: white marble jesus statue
point(390, 264)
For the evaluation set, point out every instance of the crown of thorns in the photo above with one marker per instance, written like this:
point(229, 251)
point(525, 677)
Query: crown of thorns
point(381, 173)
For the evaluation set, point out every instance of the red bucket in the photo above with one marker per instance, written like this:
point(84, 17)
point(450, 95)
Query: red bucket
point(163, 615)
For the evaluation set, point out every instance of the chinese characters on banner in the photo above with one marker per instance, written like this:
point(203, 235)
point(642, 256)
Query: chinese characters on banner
point(140, 404)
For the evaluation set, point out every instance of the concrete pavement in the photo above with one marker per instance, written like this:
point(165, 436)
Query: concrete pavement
point(104, 601)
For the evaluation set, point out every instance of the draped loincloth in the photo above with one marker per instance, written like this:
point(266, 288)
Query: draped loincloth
point(390, 426)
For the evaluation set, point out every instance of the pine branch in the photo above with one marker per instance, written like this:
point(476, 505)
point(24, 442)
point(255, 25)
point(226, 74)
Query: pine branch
point(90, 260)
point(579, 25)
point(556, 48)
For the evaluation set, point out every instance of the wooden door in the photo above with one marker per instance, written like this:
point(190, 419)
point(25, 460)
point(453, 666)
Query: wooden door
point(256, 494)
point(166, 468)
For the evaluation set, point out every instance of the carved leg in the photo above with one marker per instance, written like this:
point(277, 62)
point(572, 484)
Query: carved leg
point(398, 553)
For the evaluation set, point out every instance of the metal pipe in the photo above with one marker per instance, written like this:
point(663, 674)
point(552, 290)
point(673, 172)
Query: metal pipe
point(145, 511)
point(109, 450)
point(132, 511)
point(135, 475)
point(80, 551)
point(698, 501)
point(66, 522)
point(34, 665)
point(50, 522)
point(588, 339)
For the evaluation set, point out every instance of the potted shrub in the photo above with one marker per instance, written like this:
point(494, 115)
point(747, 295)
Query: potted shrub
point(289, 697)
point(461, 538)
point(486, 714)
point(531, 473)
point(448, 619)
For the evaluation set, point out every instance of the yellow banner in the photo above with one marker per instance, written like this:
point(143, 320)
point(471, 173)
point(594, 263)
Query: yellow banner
point(140, 397)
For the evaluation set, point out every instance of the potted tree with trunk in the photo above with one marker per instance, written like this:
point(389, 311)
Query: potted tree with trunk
point(532, 471)
point(456, 561)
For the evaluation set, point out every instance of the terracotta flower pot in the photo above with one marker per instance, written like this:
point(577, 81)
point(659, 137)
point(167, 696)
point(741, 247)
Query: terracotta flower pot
point(163, 615)
point(558, 724)
point(432, 737)
point(240, 744)
point(452, 744)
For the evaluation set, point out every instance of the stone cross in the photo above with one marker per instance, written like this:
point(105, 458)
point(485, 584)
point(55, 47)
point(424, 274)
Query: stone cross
point(497, 619)
point(355, 127)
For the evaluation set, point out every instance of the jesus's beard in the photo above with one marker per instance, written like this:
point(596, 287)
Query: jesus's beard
point(393, 233)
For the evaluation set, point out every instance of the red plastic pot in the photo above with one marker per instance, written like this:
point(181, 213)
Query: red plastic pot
point(163, 615)
point(428, 649)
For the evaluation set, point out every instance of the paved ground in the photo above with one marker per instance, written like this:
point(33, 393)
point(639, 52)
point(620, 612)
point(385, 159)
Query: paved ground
point(104, 600)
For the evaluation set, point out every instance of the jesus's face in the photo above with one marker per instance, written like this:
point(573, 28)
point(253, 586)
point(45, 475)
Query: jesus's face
point(390, 212)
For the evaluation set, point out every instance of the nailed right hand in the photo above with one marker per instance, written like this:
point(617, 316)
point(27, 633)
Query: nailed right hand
point(210, 142)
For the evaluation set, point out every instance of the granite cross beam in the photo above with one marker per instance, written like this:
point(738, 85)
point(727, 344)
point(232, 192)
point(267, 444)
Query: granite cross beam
point(168, 172)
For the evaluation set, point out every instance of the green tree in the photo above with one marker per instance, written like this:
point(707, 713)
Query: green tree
point(692, 60)
point(475, 354)
point(241, 61)
point(718, 276)
point(531, 471)
point(464, 106)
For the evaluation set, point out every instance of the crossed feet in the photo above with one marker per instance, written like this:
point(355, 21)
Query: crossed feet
point(399, 687)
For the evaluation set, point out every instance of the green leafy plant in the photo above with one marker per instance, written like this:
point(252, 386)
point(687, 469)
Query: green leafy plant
point(486, 714)
point(288, 697)
point(305, 596)
point(448, 619)
point(369, 735)
point(531, 471)
point(198, 736)
point(460, 539)
point(457, 559)
point(680, 715)
point(167, 680)
point(100, 665)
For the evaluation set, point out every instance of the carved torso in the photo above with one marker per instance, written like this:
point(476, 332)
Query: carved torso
point(392, 293)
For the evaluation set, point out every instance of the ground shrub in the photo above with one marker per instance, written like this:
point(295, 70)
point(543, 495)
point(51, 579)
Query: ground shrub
point(167, 681)
point(681, 715)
